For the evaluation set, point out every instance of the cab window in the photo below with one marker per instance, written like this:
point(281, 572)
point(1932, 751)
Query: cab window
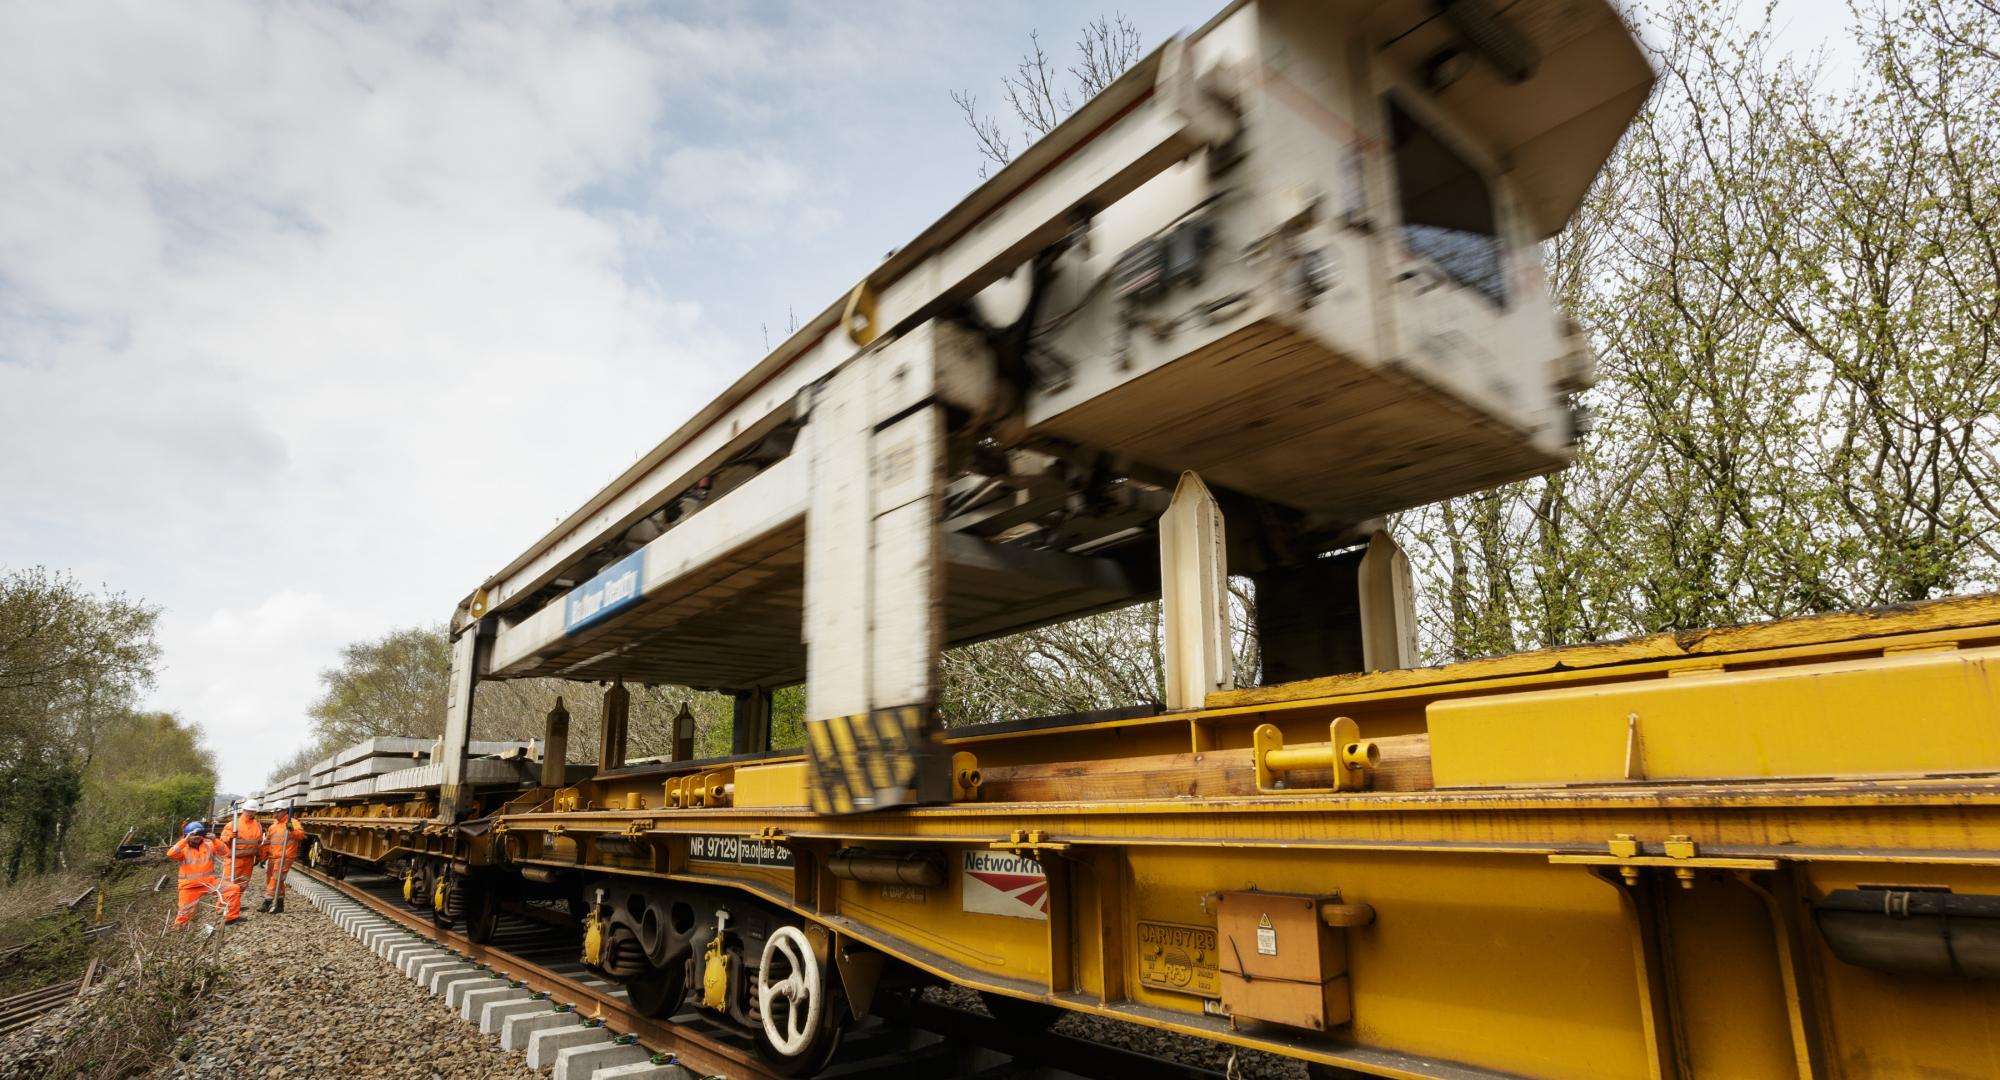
point(1448, 217)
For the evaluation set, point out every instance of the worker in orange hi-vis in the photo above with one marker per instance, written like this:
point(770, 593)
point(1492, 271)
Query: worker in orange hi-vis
point(239, 846)
point(195, 853)
point(282, 839)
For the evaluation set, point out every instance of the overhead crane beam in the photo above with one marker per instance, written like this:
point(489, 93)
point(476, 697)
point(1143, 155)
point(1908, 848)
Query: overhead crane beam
point(1270, 268)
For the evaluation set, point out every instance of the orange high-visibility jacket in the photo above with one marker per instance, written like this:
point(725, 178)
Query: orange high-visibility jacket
point(282, 838)
point(197, 863)
point(248, 836)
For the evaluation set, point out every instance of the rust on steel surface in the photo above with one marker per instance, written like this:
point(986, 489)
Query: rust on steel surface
point(695, 1051)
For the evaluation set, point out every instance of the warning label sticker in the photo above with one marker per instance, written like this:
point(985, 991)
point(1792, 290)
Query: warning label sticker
point(996, 883)
point(1179, 958)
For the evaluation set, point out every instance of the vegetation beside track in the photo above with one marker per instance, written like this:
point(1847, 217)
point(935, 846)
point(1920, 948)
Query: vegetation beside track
point(149, 984)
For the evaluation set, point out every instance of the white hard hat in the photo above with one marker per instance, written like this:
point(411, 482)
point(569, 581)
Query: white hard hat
point(250, 805)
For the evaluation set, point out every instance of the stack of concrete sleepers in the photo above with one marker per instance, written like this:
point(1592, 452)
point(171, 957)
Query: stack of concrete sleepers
point(319, 780)
point(482, 767)
point(356, 768)
point(290, 789)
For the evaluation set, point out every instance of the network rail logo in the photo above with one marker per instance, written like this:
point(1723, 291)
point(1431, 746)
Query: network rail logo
point(996, 883)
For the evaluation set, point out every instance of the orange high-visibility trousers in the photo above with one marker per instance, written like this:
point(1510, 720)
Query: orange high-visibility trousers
point(274, 872)
point(280, 851)
point(240, 873)
point(190, 899)
point(228, 899)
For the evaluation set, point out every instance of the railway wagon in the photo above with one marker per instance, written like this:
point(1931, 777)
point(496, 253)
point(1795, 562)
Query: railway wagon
point(1276, 282)
point(1757, 851)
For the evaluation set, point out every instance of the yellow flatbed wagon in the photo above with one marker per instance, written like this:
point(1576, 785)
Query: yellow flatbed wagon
point(1757, 851)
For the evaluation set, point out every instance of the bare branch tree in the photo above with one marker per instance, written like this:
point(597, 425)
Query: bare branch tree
point(1036, 92)
point(1104, 50)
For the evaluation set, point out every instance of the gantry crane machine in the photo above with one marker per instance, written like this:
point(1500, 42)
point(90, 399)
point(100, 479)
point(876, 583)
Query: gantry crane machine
point(1277, 281)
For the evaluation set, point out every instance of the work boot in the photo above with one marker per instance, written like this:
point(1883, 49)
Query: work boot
point(264, 904)
point(278, 906)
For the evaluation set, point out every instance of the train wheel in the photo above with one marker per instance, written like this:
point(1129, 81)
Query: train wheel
point(1020, 1014)
point(802, 1015)
point(660, 991)
point(482, 913)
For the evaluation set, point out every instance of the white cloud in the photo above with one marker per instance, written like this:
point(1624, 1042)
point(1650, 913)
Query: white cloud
point(275, 282)
point(738, 191)
point(238, 672)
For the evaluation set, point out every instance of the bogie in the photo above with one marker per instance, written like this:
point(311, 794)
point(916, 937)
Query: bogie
point(676, 946)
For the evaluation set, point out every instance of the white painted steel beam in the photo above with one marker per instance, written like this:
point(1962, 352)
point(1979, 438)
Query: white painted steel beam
point(772, 500)
point(1194, 588)
point(1118, 140)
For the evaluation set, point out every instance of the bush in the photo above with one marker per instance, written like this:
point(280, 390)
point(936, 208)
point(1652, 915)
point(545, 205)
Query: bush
point(158, 981)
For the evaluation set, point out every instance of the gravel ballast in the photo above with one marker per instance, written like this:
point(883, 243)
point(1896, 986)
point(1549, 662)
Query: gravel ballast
point(306, 1000)
point(1138, 1038)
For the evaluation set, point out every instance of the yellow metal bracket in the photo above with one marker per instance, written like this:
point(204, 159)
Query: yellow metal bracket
point(638, 828)
point(1345, 754)
point(771, 834)
point(1680, 856)
point(965, 776)
point(695, 790)
point(1028, 842)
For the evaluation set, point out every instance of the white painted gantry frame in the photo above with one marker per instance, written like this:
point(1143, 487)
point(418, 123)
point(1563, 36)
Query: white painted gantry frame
point(1153, 116)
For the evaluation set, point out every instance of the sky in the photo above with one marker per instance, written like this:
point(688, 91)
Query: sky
point(314, 315)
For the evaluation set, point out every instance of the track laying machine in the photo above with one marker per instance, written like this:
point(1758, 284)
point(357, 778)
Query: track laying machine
point(1279, 280)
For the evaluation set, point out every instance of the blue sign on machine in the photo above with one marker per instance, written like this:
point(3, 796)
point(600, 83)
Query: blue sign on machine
point(616, 586)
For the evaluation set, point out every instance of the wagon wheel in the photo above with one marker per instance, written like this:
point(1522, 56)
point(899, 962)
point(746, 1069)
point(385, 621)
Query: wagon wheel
point(482, 912)
point(800, 1011)
point(660, 991)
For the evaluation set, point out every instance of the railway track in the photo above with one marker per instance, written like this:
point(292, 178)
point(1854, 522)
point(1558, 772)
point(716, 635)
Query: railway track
point(22, 1009)
point(527, 987)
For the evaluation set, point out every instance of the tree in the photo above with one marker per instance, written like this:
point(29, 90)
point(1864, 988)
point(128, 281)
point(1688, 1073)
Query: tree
point(71, 664)
point(158, 776)
point(391, 685)
point(1792, 292)
point(1037, 95)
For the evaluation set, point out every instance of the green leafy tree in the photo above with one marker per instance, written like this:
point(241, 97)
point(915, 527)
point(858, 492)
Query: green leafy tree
point(153, 775)
point(72, 663)
point(1792, 289)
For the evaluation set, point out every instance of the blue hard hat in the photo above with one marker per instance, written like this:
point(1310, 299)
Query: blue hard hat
point(193, 828)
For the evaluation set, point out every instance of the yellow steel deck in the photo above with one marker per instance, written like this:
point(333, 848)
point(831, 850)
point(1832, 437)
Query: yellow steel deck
point(1597, 861)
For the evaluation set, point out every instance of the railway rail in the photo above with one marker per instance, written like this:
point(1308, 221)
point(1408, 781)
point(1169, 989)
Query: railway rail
point(529, 964)
point(20, 1010)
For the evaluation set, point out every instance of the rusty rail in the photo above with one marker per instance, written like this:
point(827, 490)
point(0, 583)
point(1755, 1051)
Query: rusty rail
point(24, 1008)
